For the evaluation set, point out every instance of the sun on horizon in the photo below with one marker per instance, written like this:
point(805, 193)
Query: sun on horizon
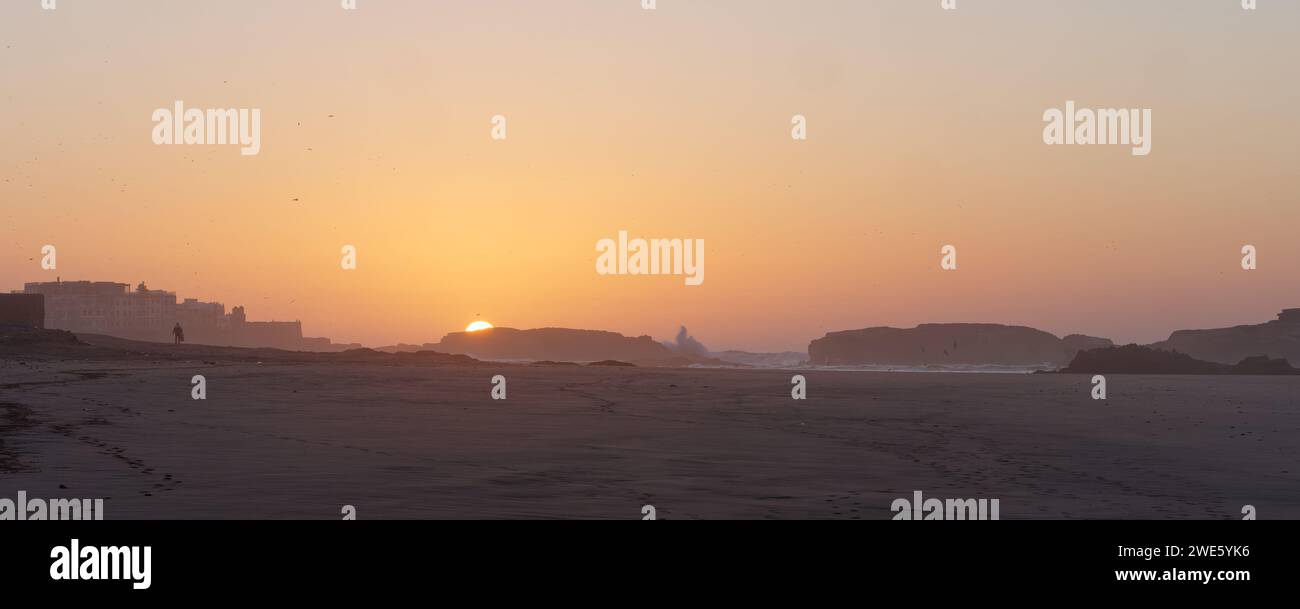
point(478, 325)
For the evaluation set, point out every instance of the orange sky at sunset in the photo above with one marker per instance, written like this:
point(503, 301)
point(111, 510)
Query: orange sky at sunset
point(924, 130)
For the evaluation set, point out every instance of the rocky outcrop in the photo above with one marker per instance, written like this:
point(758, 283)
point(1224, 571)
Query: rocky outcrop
point(938, 344)
point(1075, 343)
point(20, 335)
point(559, 344)
point(1136, 359)
point(1279, 338)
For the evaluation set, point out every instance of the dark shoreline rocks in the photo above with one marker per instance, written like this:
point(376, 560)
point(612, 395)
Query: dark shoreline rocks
point(1136, 359)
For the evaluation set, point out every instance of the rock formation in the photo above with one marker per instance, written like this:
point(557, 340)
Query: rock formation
point(1136, 359)
point(940, 344)
point(1279, 338)
point(559, 344)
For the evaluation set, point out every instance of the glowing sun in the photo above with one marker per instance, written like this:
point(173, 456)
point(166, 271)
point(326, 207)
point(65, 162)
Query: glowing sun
point(478, 325)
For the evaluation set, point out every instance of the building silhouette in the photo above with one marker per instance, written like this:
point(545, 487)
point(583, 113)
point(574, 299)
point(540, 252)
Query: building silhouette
point(22, 310)
point(114, 309)
point(98, 307)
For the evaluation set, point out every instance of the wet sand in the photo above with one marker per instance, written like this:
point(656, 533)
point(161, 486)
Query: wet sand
point(301, 440)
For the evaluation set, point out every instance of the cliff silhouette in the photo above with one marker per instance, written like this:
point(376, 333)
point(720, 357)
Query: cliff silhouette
point(936, 344)
point(1278, 338)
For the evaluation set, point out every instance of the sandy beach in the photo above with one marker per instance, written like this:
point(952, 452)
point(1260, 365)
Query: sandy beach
point(301, 440)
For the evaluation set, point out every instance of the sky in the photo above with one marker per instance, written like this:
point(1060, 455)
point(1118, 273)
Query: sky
point(924, 129)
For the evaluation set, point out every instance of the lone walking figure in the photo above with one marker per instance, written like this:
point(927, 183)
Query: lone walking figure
point(179, 333)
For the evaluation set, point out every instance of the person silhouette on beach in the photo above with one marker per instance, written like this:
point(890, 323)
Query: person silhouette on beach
point(179, 333)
